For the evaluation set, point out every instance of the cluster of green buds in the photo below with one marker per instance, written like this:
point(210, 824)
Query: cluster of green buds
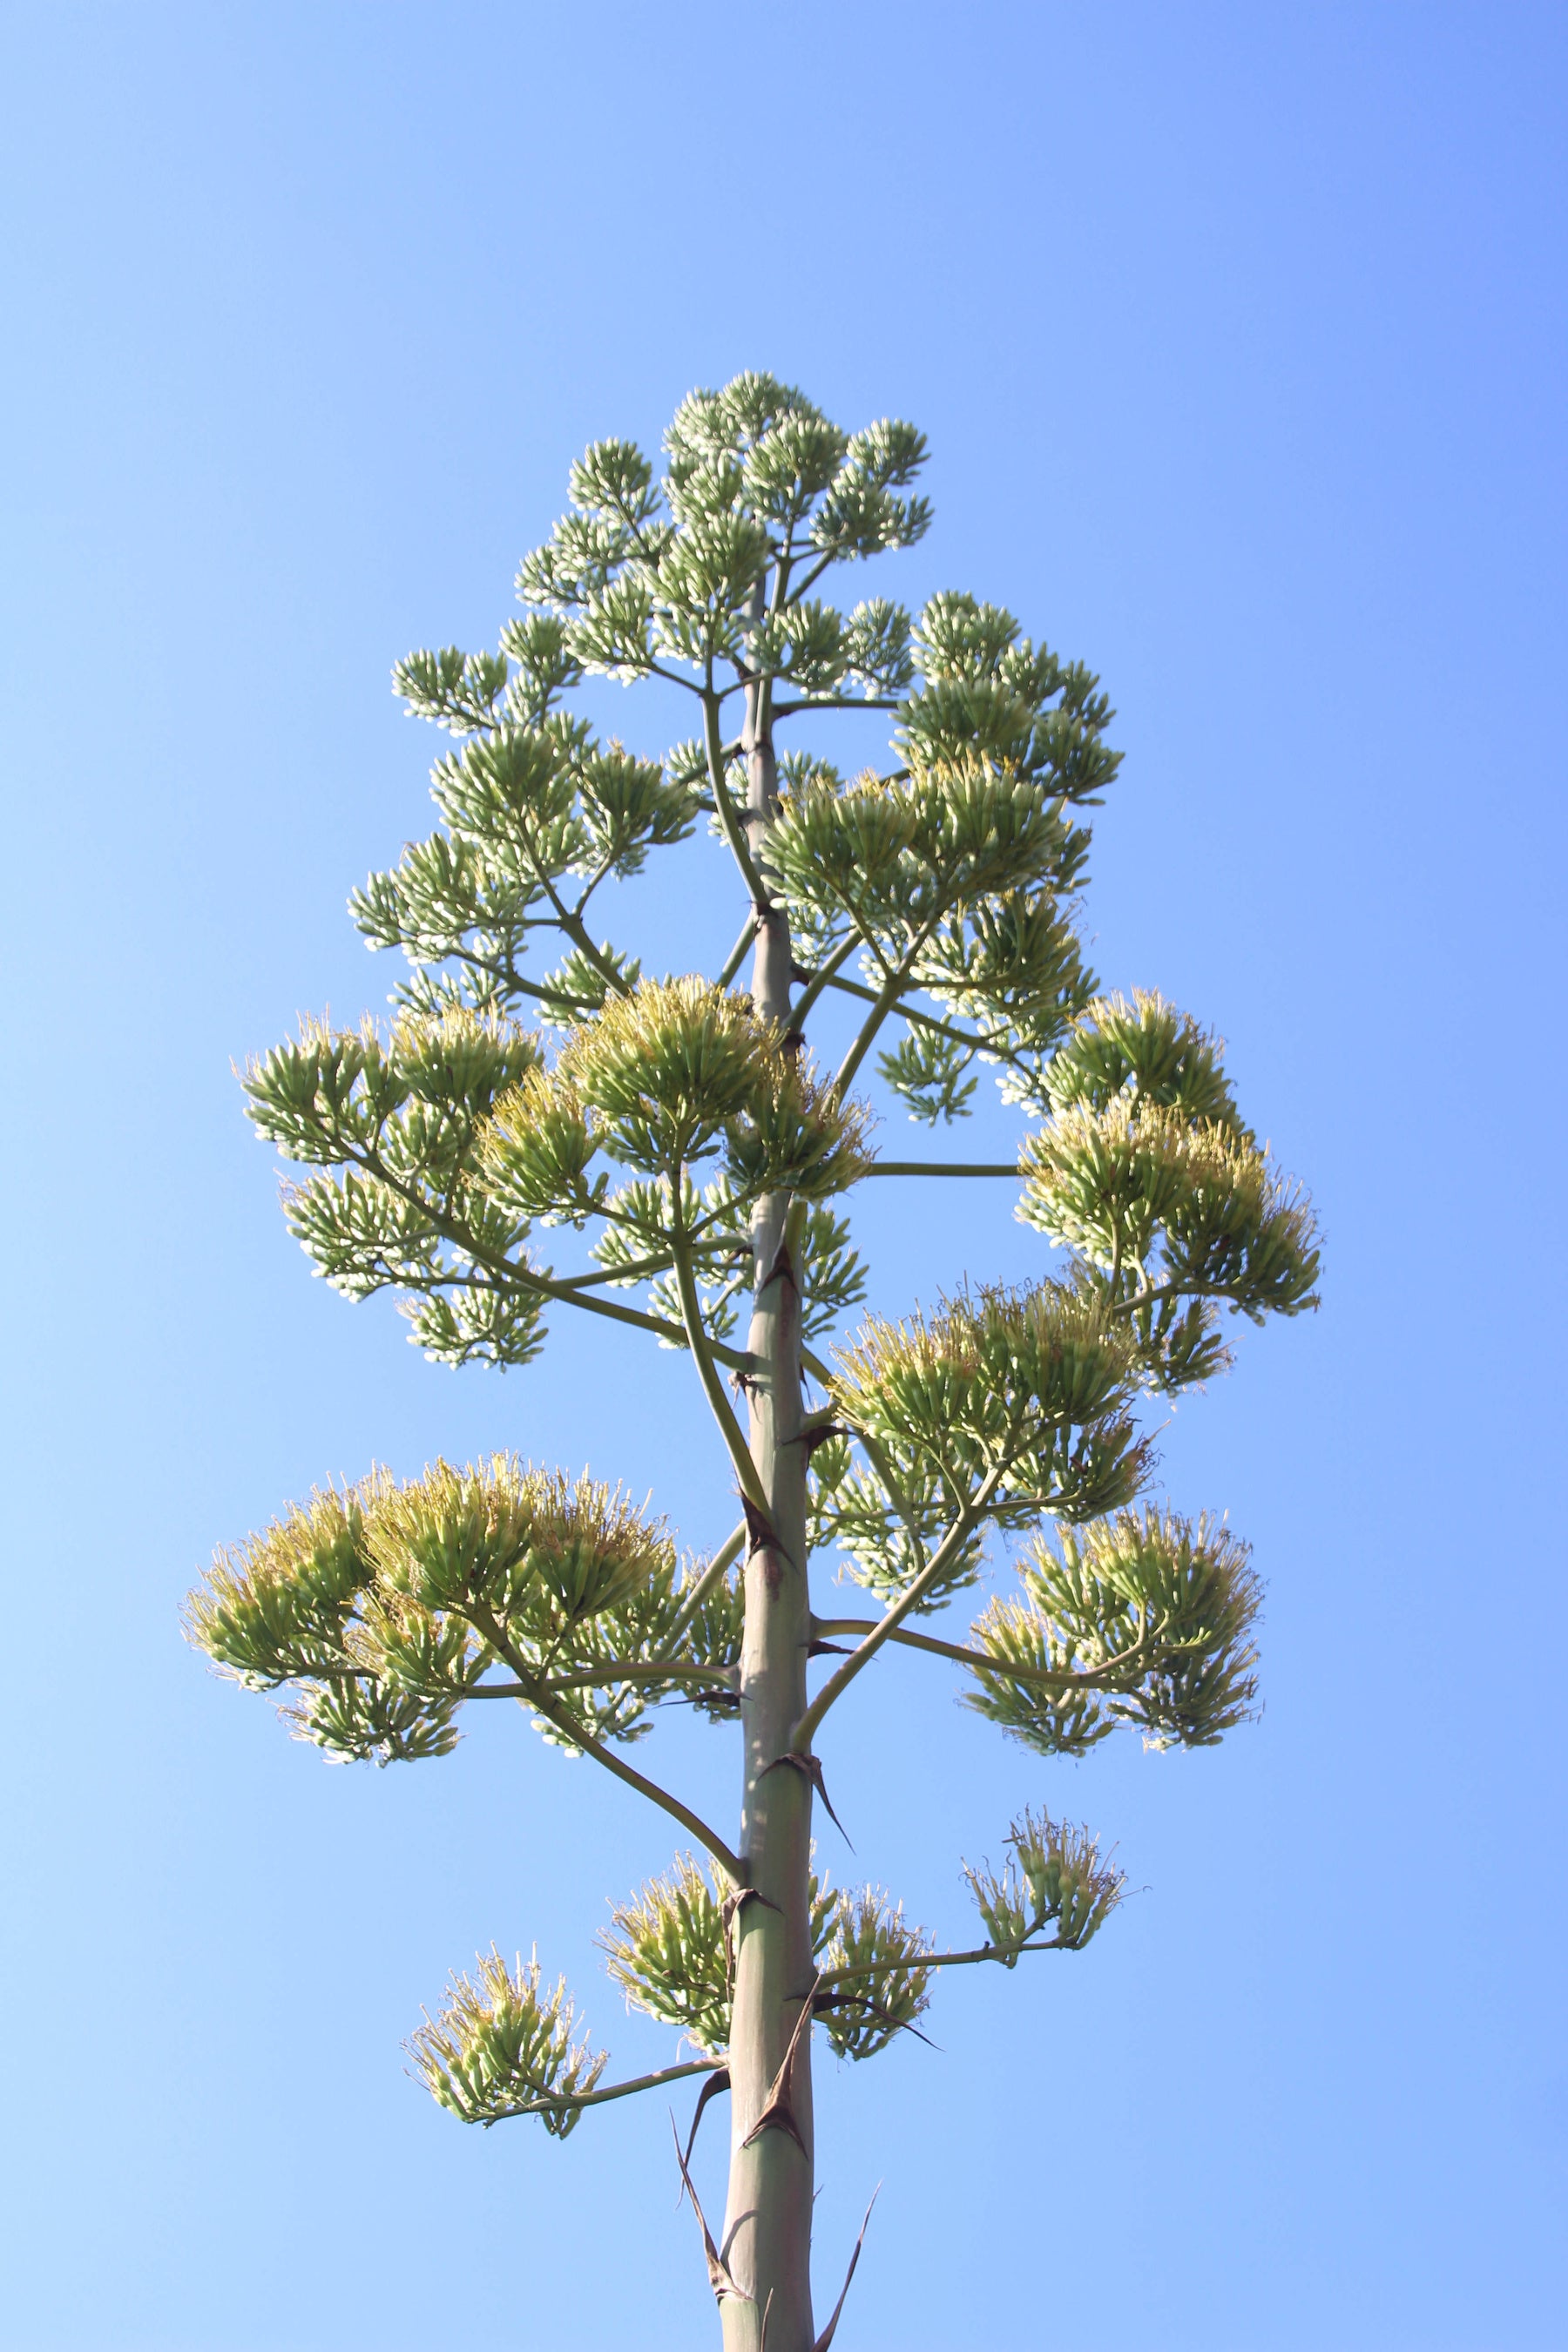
point(1054, 1878)
point(667, 1949)
point(648, 575)
point(398, 1119)
point(502, 2046)
point(670, 1950)
point(532, 802)
point(1143, 1619)
point(875, 1974)
point(1004, 1405)
point(443, 1144)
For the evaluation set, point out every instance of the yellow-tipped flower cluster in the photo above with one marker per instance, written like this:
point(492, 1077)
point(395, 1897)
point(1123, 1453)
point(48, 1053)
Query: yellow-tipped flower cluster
point(1112, 1182)
point(536, 1150)
point(1032, 1385)
point(384, 1607)
point(671, 1074)
point(1142, 1046)
point(276, 1604)
point(392, 1123)
point(320, 1097)
point(665, 1948)
point(1146, 1171)
point(490, 1532)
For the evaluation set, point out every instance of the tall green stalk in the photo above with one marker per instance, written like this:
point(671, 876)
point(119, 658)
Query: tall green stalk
point(767, 2222)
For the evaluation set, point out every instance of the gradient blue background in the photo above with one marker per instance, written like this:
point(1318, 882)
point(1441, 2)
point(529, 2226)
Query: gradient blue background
point(1238, 336)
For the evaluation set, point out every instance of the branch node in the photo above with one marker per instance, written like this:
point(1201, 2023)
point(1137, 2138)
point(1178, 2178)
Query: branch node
point(777, 2113)
point(761, 1531)
point(734, 1902)
point(782, 1266)
point(810, 1767)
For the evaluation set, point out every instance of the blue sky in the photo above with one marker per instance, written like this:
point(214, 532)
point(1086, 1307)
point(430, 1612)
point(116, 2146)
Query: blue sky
point(1238, 337)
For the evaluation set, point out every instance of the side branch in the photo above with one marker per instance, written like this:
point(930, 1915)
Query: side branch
point(567, 919)
point(861, 1656)
point(613, 2091)
point(729, 1429)
point(737, 955)
point(836, 701)
point(996, 1047)
point(640, 1270)
point(882, 1003)
point(817, 981)
point(615, 1670)
point(527, 1277)
point(484, 1621)
point(548, 1288)
point(1005, 1953)
point(1177, 1288)
point(1091, 1678)
point(944, 1167)
point(730, 1863)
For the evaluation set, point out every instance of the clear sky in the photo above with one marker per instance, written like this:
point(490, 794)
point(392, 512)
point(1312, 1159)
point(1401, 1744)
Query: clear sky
point(1238, 336)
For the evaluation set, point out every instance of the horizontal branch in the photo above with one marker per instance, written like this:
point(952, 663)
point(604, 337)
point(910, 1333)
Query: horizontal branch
point(1003, 1952)
point(614, 2091)
point(942, 1168)
point(528, 1278)
point(980, 1661)
point(617, 1670)
point(836, 702)
point(1178, 1287)
point(637, 1271)
point(735, 1359)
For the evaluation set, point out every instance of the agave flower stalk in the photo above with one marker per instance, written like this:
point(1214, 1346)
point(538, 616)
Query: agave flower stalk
point(528, 1137)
